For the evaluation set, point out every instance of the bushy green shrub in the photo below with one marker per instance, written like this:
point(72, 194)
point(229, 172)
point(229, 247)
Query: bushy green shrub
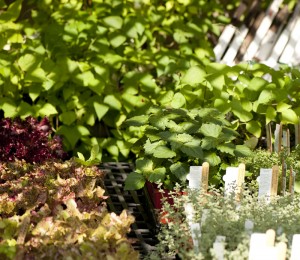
point(57, 210)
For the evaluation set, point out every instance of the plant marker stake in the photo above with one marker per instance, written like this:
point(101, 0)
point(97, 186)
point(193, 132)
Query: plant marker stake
point(234, 179)
point(295, 254)
point(265, 182)
point(278, 138)
point(270, 237)
point(249, 225)
point(205, 174)
point(281, 247)
point(194, 227)
point(274, 185)
point(195, 177)
point(269, 137)
point(292, 182)
point(218, 247)
point(240, 181)
point(283, 181)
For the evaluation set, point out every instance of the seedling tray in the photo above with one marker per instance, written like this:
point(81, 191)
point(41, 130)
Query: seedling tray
point(143, 231)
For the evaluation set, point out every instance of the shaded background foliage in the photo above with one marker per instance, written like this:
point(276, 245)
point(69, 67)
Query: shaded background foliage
point(90, 65)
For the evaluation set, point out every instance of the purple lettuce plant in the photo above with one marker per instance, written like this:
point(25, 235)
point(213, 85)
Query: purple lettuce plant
point(29, 140)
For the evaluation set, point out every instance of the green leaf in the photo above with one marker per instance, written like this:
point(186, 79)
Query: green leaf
point(281, 107)
point(115, 22)
point(117, 40)
point(192, 149)
point(151, 147)
point(100, 109)
point(8, 106)
point(239, 111)
point(68, 117)
point(288, 116)
point(80, 156)
point(212, 130)
point(178, 100)
point(144, 166)
point(113, 102)
point(222, 105)
point(27, 61)
point(163, 152)
point(47, 110)
point(194, 75)
point(209, 142)
point(157, 175)
point(270, 114)
point(266, 96)
point(134, 181)
point(180, 170)
point(242, 151)
point(212, 159)
point(226, 148)
point(137, 120)
point(254, 127)
point(73, 133)
point(148, 83)
point(12, 12)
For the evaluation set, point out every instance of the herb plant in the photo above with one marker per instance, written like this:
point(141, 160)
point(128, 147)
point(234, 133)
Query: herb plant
point(224, 217)
point(29, 140)
point(173, 139)
point(58, 210)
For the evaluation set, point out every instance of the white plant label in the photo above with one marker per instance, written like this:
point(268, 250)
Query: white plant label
point(230, 178)
point(194, 177)
point(295, 254)
point(219, 247)
point(265, 183)
point(249, 225)
point(196, 234)
point(257, 243)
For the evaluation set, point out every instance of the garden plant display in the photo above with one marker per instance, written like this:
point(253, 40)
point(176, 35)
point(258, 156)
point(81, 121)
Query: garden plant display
point(224, 217)
point(50, 207)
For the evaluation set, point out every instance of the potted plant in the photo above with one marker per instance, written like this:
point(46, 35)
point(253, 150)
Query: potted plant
point(172, 139)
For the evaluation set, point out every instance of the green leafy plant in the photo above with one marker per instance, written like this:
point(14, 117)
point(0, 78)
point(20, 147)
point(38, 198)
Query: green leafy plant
point(175, 235)
point(173, 139)
point(93, 160)
point(58, 209)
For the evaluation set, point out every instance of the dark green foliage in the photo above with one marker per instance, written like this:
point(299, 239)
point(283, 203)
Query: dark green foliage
point(173, 139)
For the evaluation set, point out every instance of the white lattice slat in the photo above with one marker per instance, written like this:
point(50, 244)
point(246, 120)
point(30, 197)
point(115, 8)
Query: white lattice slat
point(288, 52)
point(224, 41)
point(231, 53)
point(262, 30)
point(283, 39)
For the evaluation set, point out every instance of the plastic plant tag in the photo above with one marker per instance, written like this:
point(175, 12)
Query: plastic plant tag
point(257, 243)
point(265, 182)
point(205, 214)
point(230, 178)
point(295, 254)
point(249, 225)
point(195, 177)
point(189, 212)
point(196, 234)
point(219, 247)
